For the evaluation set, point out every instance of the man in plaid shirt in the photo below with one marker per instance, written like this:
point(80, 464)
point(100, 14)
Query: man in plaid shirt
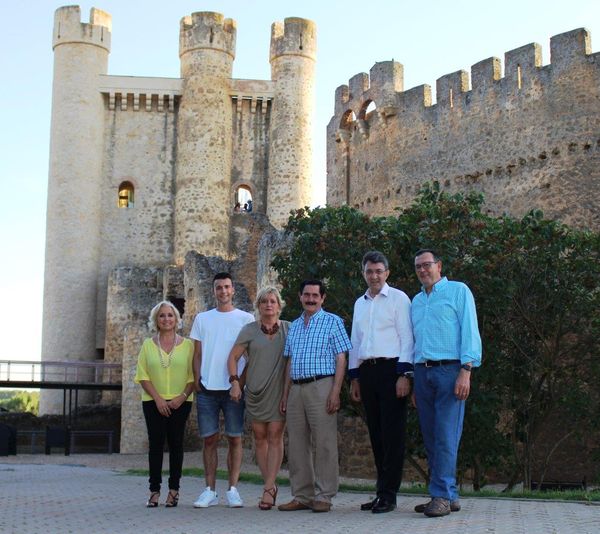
point(316, 348)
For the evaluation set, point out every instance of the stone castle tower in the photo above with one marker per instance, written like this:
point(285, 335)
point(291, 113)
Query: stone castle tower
point(528, 139)
point(144, 174)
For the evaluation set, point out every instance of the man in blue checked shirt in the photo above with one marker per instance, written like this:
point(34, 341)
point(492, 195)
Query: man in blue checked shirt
point(315, 347)
point(447, 347)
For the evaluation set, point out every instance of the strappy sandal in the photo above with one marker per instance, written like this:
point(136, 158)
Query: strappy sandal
point(153, 500)
point(272, 492)
point(172, 499)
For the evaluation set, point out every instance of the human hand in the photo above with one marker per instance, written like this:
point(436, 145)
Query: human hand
point(333, 402)
point(163, 407)
point(235, 392)
point(462, 386)
point(402, 387)
point(176, 402)
point(355, 390)
point(283, 405)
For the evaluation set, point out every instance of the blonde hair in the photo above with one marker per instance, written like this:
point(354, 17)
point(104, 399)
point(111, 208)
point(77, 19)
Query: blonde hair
point(153, 317)
point(262, 293)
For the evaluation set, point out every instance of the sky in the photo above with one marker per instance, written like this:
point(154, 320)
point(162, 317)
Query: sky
point(430, 39)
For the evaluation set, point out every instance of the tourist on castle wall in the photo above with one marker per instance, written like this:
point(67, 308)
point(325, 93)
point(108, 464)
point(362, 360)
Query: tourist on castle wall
point(381, 368)
point(164, 370)
point(447, 347)
point(214, 333)
point(315, 348)
point(262, 343)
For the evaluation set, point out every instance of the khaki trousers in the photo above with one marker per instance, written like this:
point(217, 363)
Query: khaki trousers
point(312, 447)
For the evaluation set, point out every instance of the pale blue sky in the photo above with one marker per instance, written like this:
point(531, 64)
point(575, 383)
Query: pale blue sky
point(429, 38)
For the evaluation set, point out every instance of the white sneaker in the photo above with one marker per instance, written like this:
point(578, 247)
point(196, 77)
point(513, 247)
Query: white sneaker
point(207, 498)
point(233, 498)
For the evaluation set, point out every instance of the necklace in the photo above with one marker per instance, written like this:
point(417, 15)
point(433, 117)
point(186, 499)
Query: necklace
point(270, 331)
point(164, 364)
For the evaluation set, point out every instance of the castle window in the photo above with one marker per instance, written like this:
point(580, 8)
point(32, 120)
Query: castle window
point(347, 120)
point(243, 199)
point(125, 199)
point(367, 108)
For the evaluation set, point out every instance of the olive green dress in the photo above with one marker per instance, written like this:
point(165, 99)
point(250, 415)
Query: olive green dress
point(265, 368)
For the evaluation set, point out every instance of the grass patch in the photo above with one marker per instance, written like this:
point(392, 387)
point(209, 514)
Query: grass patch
point(251, 478)
point(591, 496)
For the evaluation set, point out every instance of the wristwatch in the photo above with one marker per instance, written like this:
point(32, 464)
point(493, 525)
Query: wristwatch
point(466, 367)
point(234, 378)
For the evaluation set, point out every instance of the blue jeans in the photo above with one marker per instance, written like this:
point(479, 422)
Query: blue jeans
point(209, 404)
point(441, 417)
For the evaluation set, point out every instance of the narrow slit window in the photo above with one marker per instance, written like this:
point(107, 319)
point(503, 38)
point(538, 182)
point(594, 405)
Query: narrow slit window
point(125, 199)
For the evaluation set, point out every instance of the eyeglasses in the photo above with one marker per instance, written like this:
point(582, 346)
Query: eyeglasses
point(425, 265)
point(378, 272)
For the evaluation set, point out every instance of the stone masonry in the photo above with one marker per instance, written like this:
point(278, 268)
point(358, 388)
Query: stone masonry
point(529, 139)
point(145, 170)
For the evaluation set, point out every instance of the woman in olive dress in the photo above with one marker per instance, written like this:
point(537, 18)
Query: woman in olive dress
point(262, 344)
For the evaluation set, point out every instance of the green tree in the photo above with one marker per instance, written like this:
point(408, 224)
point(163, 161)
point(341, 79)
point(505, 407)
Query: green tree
point(20, 401)
point(536, 286)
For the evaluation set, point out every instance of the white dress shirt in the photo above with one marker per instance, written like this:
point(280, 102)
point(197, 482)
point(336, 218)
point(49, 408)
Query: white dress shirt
point(381, 327)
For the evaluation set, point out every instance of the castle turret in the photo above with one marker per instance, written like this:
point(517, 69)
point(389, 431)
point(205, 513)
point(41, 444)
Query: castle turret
point(73, 219)
point(293, 55)
point(204, 142)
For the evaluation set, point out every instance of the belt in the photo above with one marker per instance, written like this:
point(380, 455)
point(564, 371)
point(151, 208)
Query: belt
point(310, 379)
point(437, 363)
point(376, 361)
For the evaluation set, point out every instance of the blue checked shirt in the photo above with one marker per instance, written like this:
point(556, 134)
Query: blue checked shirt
point(313, 347)
point(445, 324)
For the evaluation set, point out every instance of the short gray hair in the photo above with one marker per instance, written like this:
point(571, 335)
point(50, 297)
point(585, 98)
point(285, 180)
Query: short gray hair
point(374, 256)
point(152, 318)
point(262, 293)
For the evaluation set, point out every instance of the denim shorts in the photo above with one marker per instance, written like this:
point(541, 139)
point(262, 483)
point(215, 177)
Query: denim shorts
point(209, 404)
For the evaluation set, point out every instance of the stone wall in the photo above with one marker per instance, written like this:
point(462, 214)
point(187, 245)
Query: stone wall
point(139, 148)
point(530, 139)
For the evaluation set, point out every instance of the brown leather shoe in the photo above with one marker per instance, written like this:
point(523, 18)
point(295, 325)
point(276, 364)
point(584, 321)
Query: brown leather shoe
point(321, 506)
point(454, 506)
point(438, 507)
point(293, 506)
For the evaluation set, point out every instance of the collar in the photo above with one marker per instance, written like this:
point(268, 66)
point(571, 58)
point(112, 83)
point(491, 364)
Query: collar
point(316, 316)
point(384, 291)
point(438, 286)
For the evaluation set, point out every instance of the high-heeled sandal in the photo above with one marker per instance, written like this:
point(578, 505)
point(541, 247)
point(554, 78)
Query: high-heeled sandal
point(153, 500)
point(172, 499)
point(272, 492)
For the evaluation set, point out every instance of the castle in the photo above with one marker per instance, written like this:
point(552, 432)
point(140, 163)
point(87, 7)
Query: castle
point(530, 139)
point(145, 170)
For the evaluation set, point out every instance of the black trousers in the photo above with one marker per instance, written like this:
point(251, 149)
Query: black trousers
point(172, 429)
point(386, 421)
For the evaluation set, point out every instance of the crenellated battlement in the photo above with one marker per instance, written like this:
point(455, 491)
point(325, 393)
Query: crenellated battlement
point(68, 27)
point(526, 138)
point(207, 30)
point(523, 71)
point(294, 37)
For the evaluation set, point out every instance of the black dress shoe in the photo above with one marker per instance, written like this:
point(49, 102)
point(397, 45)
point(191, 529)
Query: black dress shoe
point(383, 506)
point(366, 507)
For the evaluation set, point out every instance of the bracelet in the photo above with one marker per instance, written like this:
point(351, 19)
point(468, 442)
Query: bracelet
point(186, 395)
point(234, 378)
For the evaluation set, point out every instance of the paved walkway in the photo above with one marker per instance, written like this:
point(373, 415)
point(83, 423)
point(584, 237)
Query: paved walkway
point(69, 495)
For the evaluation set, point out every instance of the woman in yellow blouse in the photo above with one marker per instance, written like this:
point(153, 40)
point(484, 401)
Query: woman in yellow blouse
point(164, 371)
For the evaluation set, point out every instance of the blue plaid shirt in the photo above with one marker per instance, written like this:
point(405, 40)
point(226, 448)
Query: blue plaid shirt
point(445, 324)
point(313, 347)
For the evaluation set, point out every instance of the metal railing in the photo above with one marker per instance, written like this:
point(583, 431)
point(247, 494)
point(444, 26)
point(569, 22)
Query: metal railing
point(46, 372)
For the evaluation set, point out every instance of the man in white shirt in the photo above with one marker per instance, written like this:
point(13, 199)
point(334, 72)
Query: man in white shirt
point(380, 367)
point(214, 333)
